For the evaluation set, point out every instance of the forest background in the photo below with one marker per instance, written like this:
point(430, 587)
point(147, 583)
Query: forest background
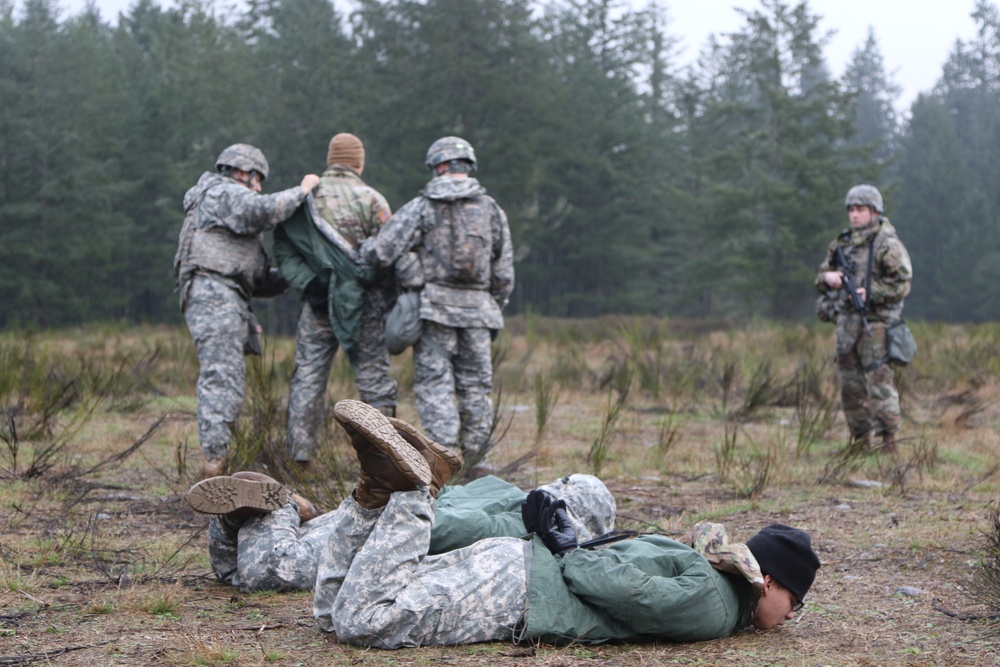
point(633, 185)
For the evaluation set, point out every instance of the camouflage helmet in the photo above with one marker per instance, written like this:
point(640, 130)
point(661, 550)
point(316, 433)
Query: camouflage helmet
point(590, 505)
point(865, 195)
point(447, 149)
point(244, 157)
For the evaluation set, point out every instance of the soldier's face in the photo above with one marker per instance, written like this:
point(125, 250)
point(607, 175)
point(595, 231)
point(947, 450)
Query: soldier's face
point(859, 215)
point(775, 605)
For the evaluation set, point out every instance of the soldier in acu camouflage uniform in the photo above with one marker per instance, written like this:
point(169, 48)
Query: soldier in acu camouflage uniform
point(868, 395)
point(219, 264)
point(453, 243)
point(347, 212)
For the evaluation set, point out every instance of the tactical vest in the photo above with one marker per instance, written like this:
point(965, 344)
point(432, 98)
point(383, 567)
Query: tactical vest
point(217, 250)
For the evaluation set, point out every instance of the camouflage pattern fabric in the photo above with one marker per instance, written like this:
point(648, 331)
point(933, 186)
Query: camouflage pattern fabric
point(869, 399)
point(462, 244)
point(355, 211)
point(222, 231)
point(589, 503)
point(453, 364)
point(712, 541)
point(427, 226)
point(315, 348)
point(377, 587)
point(275, 552)
point(269, 552)
point(217, 319)
point(219, 259)
point(349, 205)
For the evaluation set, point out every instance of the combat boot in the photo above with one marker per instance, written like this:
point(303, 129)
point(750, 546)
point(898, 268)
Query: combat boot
point(889, 443)
point(235, 496)
point(388, 462)
point(307, 510)
point(443, 462)
point(388, 410)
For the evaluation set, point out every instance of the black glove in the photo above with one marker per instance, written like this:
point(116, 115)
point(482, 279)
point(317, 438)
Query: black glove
point(548, 518)
point(315, 294)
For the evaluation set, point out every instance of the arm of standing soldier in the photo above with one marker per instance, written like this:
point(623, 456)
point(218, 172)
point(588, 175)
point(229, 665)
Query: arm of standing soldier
point(824, 282)
point(290, 261)
point(249, 213)
point(399, 234)
point(895, 274)
point(502, 259)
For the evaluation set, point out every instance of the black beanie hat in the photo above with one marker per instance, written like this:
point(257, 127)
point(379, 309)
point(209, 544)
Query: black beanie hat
point(786, 554)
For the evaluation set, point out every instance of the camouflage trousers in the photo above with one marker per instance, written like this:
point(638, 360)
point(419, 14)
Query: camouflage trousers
point(268, 552)
point(376, 585)
point(217, 319)
point(315, 347)
point(869, 399)
point(454, 364)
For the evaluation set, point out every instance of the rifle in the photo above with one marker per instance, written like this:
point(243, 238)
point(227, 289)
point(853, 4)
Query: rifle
point(847, 270)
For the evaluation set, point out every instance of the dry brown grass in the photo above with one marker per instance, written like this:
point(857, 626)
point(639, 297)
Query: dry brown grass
point(110, 568)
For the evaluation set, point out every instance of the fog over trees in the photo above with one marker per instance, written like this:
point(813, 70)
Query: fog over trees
point(632, 185)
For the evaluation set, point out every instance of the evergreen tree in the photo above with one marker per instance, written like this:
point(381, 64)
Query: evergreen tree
point(875, 94)
point(771, 145)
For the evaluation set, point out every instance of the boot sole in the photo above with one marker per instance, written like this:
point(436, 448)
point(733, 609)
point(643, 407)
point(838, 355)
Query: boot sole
point(422, 442)
point(222, 495)
point(362, 420)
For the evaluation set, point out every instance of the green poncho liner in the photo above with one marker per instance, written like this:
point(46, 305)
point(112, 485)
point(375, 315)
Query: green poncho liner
point(303, 253)
point(646, 589)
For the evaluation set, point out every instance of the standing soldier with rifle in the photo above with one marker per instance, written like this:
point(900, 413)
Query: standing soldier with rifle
point(865, 277)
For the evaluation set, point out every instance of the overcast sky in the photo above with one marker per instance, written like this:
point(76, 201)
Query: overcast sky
point(915, 38)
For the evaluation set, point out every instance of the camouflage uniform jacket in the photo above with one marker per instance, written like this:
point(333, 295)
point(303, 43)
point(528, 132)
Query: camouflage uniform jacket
point(892, 271)
point(455, 243)
point(644, 589)
point(222, 231)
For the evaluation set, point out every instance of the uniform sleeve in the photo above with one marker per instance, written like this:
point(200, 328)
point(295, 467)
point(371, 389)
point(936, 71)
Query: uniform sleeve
point(247, 213)
point(502, 260)
point(398, 235)
point(829, 264)
point(895, 273)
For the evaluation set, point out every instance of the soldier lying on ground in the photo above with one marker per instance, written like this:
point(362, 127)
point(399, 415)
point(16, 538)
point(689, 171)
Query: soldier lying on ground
point(273, 541)
point(377, 585)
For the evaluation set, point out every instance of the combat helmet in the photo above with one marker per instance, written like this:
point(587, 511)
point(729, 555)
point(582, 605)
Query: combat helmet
point(244, 157)
point(447, 149)
point(865, 195)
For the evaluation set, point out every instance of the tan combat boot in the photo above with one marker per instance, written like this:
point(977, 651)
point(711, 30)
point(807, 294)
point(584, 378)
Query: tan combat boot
point(388, 462)
point(307, 510)
point(442, 461)
point(233, 495)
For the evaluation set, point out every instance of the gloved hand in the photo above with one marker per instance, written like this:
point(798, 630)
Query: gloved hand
point(549, 519)
point(315, 294)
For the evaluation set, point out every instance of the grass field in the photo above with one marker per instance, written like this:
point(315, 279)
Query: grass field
point(102, 562)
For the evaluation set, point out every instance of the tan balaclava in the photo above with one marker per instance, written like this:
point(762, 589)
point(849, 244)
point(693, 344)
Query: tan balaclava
point(346, 149)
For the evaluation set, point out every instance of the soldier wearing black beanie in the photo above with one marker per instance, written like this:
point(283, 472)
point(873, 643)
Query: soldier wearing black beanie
point(786, 554)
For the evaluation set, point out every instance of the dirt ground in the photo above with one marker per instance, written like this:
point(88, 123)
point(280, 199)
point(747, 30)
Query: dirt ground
point(112, 569)
point(887, 594)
